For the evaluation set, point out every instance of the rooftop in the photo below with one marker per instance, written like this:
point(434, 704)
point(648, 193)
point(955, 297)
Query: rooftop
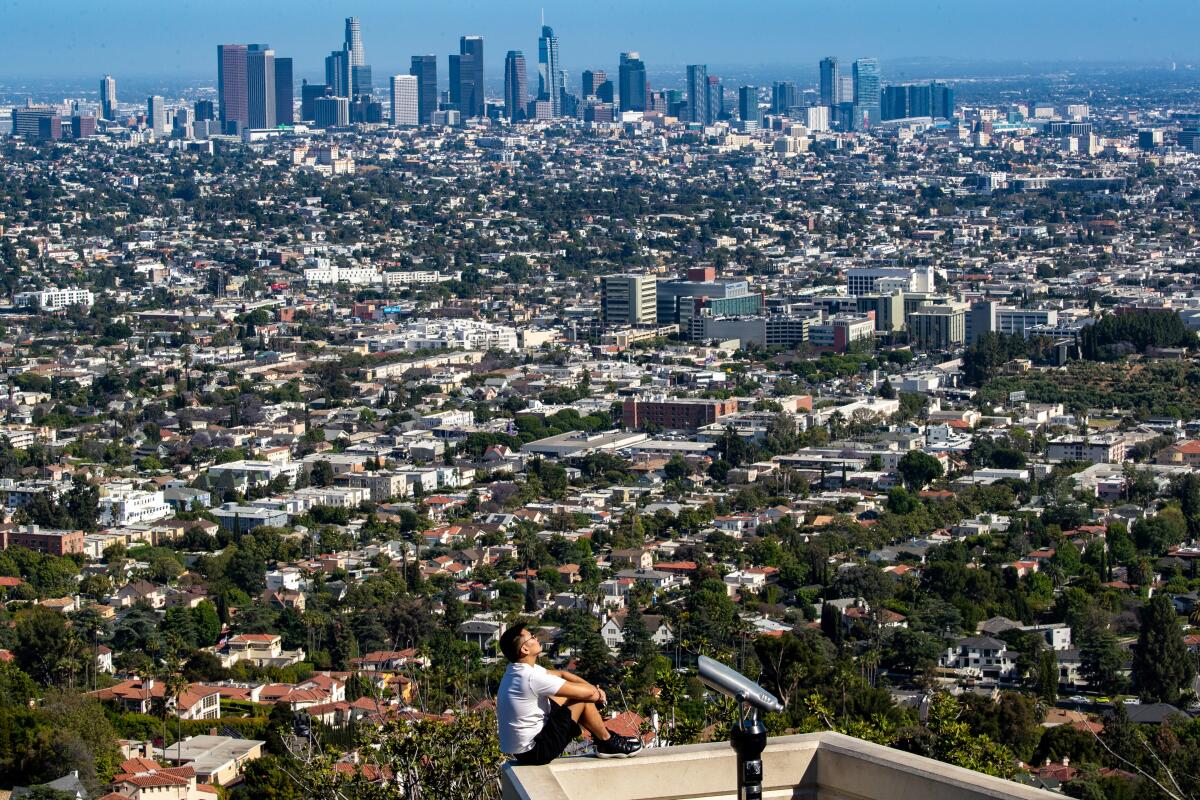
point(813, 766)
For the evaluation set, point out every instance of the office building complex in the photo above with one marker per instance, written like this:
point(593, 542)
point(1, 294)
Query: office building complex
point(231, 87)
point(285, 92)
point(424, 69)
point(699, 109)
point(309, 92)
point(632, 80)
point(628, 300)
point(331, 112)
point(406, 108)
point(337, 73)
point(466, 76)
point(550, 80)
point(516, 91)
point(748, 105)
point(919, 100)
point(867, 88)
point(260, 88)
point(938, 327)
point(830, 86)
point(784, 96)
point(108, 97)
point(156, 114)
point(701, 294)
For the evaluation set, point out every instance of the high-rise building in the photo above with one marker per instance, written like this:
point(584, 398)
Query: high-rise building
point(748, 105)
point(108, 97)
point(260, 87)
point(285, 93)
point(716, 100)
point(331, 112)
point(593, 80)
point(784, 95)
point(337, 72)
point(830, 88)
point(550, 80)
point(697, 89)
point(405, 105)
point(867, 87)
point(466, 76)
point(360, 80)
point(942, 101)
point(309, 92)
point(156, 114)
point(424, 69)
point(628, 300)
point(204, 110)
point(632, 80)
point(516, 86)
point(231, 87)
point(353, 43)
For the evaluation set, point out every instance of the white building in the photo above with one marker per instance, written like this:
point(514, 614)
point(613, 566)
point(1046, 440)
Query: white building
point(866, 280)
point(54, 299)
point(121, 505)
point(404, 101)
point(448, 334)
point(323, 272)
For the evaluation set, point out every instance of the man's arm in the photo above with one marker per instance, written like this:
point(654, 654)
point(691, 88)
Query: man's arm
point(581, 690)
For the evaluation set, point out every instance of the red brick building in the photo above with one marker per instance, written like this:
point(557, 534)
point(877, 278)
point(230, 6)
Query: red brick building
point(31, 537)
point(676, 413)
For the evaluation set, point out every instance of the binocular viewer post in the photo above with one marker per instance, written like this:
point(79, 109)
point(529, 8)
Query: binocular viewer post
point(748, 735)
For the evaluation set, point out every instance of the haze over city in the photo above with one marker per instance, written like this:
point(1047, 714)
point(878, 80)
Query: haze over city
point(172, 40)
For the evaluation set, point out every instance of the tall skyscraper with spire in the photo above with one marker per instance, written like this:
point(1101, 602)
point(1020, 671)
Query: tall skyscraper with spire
point(550, 75)
point(516, 91)
point(358, 71)
point(353, 43)
point(108, 97)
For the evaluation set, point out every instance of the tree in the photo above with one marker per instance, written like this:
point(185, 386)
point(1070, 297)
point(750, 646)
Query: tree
point(1101, 660)
point(1047, 677)
point(44, 644)
point(1162, 665)
point(321, 473)
point(677, 468)
point(917, 469)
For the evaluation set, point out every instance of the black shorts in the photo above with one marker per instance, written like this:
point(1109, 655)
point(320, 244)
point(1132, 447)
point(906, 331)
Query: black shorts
point(552, 739)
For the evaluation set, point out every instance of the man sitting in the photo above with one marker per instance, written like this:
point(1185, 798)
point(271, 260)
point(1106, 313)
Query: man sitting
point(541, 710)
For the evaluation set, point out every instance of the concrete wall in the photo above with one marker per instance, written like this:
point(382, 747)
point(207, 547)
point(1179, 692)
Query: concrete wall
point(819, 766)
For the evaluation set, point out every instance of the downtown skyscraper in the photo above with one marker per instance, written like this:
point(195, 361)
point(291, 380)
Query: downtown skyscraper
point(631, 77)
point(829, 95)
point(406, 109)
point(260, 87)
point(254, 89)
point(699, 107)
point(108, 97)
point(550, 75)
point(867, 89)
point(358, 73)
point(424, 69)
point(516, 88)
point(466, 77)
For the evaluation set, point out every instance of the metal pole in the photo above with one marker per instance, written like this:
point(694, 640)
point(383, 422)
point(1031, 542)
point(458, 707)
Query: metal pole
point(749, 738)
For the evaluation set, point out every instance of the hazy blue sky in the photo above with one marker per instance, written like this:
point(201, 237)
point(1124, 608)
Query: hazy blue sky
point(178, 38)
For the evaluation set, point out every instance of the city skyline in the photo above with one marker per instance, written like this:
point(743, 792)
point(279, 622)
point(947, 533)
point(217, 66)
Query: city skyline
point(179, 47)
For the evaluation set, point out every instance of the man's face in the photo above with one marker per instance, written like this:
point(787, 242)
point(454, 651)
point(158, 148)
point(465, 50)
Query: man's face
point(530, 644)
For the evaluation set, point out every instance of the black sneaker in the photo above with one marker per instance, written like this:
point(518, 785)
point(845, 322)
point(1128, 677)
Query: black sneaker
point(617, 746)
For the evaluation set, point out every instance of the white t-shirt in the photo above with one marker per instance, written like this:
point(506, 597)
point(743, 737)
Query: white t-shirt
point(522, 705)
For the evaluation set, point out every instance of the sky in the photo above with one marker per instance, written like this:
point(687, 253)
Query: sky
point(82, 39)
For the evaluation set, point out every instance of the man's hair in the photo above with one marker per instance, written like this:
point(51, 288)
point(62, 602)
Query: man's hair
point(510, 642)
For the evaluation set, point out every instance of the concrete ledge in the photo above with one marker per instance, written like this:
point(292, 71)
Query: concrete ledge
point(815, 766)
